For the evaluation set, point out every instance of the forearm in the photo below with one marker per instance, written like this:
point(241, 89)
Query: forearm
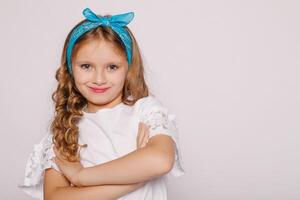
point(140, 165)
point(103, 192)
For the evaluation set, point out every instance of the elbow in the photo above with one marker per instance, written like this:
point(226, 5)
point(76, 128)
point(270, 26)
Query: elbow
point(165, 164)
point(168, 166)
point(163, 151)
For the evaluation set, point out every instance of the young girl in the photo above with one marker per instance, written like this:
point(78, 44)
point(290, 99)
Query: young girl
point(109, 139)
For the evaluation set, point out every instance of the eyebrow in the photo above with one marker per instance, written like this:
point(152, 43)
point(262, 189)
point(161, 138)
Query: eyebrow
point(83, 62)
point(88, 62)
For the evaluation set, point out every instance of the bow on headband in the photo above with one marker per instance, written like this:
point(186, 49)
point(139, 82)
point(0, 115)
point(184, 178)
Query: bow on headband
point(115, 22)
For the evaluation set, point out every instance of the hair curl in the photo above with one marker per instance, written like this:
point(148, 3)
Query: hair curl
point(69, 102)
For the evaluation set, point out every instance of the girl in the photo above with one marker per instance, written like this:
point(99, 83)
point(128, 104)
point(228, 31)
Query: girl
point(109, 138)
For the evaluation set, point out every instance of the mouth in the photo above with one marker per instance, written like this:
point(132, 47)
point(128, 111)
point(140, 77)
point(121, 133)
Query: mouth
point(98, 90)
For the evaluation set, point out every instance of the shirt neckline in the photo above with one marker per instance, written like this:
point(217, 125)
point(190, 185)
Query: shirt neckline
point(103, 110)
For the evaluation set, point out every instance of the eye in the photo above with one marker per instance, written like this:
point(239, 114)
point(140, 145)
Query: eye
point(85, 66)
point(113, 67)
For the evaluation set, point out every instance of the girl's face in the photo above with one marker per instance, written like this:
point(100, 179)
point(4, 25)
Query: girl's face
point(99, 71)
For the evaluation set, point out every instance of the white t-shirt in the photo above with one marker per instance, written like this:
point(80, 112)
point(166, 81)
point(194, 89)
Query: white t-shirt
point(110, 133)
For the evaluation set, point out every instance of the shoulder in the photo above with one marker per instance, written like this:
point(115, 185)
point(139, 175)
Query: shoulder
point(149, 103)
point(151, 108)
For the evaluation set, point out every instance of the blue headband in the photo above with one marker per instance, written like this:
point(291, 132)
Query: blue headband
point(115, 22)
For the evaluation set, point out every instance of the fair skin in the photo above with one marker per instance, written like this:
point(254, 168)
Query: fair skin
point(58, 187)
point(99, 64)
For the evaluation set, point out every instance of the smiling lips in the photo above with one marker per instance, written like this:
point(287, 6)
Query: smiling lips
point(98, 90)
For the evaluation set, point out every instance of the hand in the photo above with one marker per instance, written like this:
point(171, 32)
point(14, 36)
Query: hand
point(70, 169)
point(143, 135)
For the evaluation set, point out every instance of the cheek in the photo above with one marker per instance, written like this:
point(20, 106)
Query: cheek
point(119, 79)
point(79, 83)
point(81, 78)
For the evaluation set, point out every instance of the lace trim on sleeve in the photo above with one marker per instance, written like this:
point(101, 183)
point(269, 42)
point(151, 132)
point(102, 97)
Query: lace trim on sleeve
point(38, 160)
point(156, 116)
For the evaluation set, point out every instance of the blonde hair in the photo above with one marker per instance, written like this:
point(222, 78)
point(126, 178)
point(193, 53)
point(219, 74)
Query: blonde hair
point(68, 100)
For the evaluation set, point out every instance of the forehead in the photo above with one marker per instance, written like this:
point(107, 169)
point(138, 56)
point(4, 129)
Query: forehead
point(98, 49)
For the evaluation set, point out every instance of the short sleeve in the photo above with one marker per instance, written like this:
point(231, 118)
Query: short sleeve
point(39, 160)
point(160, 121)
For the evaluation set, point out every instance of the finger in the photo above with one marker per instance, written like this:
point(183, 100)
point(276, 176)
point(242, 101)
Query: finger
point(146, 132)
point(56, 160)
point(144, 142)
point(145, 136)
point(140, 134)
point(60, 161)
point(139, 130)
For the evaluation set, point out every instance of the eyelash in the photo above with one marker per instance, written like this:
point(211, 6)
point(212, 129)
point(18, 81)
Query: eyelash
point(82, 66)
point(85, 66)
point(115, 67)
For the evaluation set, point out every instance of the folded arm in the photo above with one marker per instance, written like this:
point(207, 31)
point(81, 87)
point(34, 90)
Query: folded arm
point(154, 160)
point(57, 187)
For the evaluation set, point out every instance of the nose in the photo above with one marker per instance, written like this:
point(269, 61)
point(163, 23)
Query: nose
point(99, 77)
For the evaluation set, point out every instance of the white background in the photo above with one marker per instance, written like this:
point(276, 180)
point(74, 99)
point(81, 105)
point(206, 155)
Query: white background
point(229, 70)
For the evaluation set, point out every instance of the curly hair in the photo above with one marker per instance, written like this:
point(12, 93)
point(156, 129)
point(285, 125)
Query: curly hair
point(69, 102)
